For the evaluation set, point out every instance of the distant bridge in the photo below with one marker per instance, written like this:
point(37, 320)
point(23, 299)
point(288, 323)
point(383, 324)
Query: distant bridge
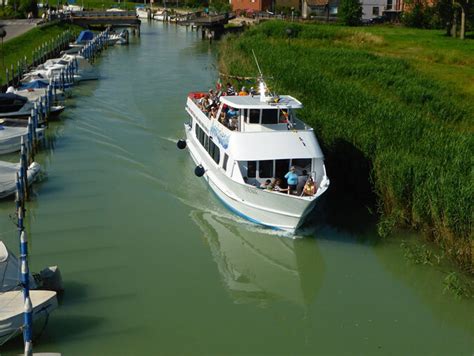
point(106, 19)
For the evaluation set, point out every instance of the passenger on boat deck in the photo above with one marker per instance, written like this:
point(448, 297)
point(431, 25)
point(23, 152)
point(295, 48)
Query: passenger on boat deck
point(213, 113)
point(223, 119)
point(243, 92)
point(291, 179)
point(301, 182)
point(233, 123)
point(213, 95)
point(253, 91)
point(309, 187)
point(232, 112)
point(266, 185)
point(230, 89)
point(277, 186)
point(246, 180)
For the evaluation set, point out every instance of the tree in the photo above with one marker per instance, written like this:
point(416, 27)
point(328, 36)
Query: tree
point(350, 12)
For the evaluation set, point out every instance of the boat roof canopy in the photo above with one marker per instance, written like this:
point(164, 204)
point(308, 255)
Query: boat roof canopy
point(275, 145)
point(253, 102)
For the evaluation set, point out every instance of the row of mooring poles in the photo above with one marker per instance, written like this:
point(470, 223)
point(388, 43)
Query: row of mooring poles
point(21, 188)
point(39, 55)
point(29, 147)
point(94, 47)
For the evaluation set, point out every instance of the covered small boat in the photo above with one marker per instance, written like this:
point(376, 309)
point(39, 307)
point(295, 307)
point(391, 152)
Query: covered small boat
point(10, 138)
point(8, 177)
point(12, 300)
point(10, 102)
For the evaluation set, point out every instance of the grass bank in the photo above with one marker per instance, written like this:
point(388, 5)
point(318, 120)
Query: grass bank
point(24, 45)
point(402, 99)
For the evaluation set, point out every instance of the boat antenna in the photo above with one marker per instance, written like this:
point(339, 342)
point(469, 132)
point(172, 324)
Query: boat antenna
point(256, 61)
point(261, 84)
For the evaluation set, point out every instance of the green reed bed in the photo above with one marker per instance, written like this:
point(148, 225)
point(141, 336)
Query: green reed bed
point(415, 129)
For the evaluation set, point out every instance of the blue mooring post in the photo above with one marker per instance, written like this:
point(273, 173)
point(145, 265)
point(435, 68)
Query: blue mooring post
point(25, 274)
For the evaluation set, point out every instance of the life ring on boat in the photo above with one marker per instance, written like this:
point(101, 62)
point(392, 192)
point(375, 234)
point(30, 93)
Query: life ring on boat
point(198, 95)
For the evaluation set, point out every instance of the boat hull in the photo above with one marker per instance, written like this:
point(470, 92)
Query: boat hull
point(12, 317)
point(8, 177)
point(10, 138)
point(275, 210)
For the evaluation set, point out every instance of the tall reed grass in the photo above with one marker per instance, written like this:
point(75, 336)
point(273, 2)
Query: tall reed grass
point(415, 129)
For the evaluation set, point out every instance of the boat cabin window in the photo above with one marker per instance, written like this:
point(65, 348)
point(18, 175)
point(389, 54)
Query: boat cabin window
point(302, 164)
point(265, 169)
point(281, 167)
point(208, 144)
point(251, 169)
point(270, 169)
point(253, 116)
point(269, 117)
point(224, 164)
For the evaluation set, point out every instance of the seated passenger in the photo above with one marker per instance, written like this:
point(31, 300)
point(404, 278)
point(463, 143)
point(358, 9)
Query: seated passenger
point(277, 187)
point(232, 112)
point(301, 182)
point(246, 180)
point(243, 92)
point(253, 91)
point(233, 124)
point(213, 113)
point(309, 188)
point(267, 184)
point(223, 119)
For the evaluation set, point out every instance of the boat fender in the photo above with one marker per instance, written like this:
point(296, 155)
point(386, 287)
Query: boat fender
point(181, 144)
point(199, 171)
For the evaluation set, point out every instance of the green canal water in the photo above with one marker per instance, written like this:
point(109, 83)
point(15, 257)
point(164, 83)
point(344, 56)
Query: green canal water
point(153, 264)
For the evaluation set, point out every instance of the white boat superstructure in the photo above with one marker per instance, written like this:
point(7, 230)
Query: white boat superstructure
point(256, 138)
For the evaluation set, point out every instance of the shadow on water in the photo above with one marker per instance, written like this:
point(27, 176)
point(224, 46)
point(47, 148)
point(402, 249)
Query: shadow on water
point(64, 327)
point(258, 269)
point(350, 202)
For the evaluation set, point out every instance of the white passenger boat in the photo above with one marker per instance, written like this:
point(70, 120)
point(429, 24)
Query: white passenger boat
point(263, 140)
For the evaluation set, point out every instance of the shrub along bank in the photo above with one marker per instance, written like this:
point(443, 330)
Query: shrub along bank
point(363, 89)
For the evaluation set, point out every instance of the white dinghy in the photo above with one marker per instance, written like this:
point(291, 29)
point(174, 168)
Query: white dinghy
point(8, 176)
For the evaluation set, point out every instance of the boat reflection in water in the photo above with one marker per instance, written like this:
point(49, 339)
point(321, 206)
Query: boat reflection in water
point(259, 268)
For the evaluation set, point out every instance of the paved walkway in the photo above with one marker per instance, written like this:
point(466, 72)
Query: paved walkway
point(17, 27)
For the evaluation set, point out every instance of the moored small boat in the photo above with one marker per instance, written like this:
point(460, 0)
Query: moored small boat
point(10, 138)
point(8, 173)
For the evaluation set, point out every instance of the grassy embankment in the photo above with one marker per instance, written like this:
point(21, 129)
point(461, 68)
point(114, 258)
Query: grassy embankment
point(24, 45)
point(402, 99)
